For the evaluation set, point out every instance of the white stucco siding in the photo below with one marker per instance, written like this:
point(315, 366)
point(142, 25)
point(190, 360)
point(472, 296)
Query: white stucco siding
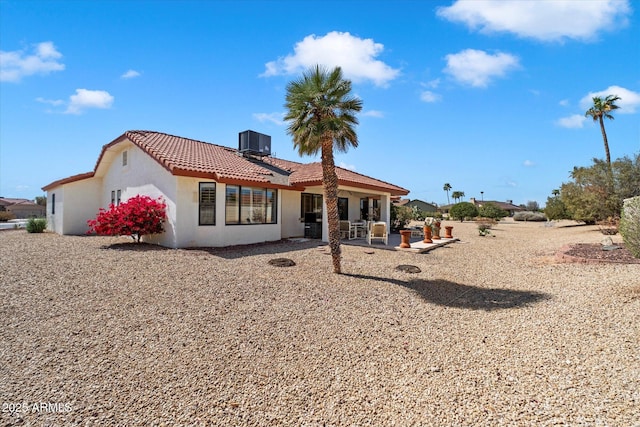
point(191, 234)
point(55, 211)
point(142, 175)
point(290, 214)
point(75, 204)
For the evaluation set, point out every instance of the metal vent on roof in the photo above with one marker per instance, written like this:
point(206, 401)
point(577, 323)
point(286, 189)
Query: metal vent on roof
point(254, 143)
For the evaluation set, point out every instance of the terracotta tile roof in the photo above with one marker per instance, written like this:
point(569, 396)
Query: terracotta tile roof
point(311, 174)
point(189, 157)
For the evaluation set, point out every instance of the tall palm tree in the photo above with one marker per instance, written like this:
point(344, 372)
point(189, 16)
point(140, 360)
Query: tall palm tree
point(446, 188)
point(321, 116)
point(601, 109)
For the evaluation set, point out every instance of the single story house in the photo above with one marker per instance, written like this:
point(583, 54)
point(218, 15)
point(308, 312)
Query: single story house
point(216, 196)
point(22, 208)
point(505, 206)
point(423, 206)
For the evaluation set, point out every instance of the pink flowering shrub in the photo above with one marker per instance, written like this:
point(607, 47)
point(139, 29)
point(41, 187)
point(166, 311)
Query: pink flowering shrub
point(136, 217)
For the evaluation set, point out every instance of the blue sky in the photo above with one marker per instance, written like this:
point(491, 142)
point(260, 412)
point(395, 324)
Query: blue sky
point(488, 96)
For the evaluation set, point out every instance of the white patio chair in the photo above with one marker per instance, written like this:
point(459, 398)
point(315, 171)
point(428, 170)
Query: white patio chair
point(378, 231)
point(345, 230)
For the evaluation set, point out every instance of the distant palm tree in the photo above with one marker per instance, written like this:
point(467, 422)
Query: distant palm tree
point(321, 116)
point(601, 109)
point(457, 195)
point(446, 188)
point(555, 192)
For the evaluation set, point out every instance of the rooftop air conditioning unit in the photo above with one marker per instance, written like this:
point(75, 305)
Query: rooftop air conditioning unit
point(254, 143)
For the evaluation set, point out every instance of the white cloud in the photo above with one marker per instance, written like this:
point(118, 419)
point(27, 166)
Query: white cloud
point(17, 64)
point(343, 165)
point(628, 102)
point(354, 55)
point(477, 68)
point(85, 99)
point(564, 103)
point(276, 118)
point(528, 163)
point(575, 121)
point(54, 102)
point(130, 74)
point(428, 96)
point(547, 20)
point(433, 84)
point(373, 113)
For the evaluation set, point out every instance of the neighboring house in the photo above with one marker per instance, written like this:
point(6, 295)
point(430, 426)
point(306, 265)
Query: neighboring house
point(423, 206)
point(216, 196)
point(22, 208)
point(506, 206)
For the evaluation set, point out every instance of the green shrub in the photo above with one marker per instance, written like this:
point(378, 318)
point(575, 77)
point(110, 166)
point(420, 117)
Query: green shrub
point(6, 216)
point(36, 225)
point(400, 216)
point(630, 225)
point(491, 210)
point(555, 209)
point(529, 216)
point(463, 210)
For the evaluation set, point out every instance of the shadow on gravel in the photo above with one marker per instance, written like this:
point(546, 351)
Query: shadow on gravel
point(266, 248)
point(450, 294)
point(134, 246)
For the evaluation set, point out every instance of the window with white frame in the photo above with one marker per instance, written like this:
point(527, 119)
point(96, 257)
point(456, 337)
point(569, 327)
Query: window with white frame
point(207, 203)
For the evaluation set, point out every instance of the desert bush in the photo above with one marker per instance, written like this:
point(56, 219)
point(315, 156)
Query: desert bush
point(6, 216)
point(485, 224)
point(529, 216)
point(555, 209)
point(630, 225)
point(491, 210)
point(36, 225)
point(463, 210)
point(138, 216)
point(597, 192)
point(400, 216)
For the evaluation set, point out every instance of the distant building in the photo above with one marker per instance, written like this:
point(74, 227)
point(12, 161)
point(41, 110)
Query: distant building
point(22, 208)
point(423, 206)
point(506, 206)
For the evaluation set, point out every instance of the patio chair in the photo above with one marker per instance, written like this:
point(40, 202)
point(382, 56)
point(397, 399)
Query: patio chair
point(378, 231)
point(345, 230)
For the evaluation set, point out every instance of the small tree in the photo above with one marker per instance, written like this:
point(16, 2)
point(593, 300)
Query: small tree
point(555, 209)
point(138, 216)
point(400, 216)
point(532, 206)
point(463, 210)
point(493, 211)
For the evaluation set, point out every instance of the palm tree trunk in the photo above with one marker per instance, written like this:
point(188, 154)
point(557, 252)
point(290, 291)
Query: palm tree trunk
point(606, 142)
point(330, 181)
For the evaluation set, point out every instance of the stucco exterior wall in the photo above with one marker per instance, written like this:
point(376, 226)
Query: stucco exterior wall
point(190, 234)
point(142, 175)
point(75, 204)
point(55, 220)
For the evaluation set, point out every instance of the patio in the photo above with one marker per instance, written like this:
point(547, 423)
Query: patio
point(416, 242)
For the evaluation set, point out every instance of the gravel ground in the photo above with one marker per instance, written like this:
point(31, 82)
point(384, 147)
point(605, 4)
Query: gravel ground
point(492, 331)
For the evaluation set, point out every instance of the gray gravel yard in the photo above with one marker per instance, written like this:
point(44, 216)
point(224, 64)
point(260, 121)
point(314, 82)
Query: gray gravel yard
point(492, 331)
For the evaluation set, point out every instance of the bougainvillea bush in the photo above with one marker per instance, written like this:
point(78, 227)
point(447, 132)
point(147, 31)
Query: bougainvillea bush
point(136, 217)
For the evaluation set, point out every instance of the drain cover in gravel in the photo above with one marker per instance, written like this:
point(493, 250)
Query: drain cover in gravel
point(282, 262)
point(408, 268)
